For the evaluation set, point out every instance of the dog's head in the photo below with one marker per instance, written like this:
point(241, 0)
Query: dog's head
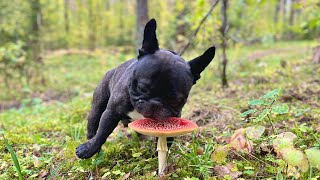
point(162, 79)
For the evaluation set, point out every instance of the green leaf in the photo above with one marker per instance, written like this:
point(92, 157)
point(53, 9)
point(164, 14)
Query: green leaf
point(255, 132)
point(246, 113)
point(279, 176)
point(14, 158)
point(280, 109)
point(117, 172)
point(262, 115)
point(295, 157)
point(272, 93)
point(256, 102)
point(136, 154)
point(313, 155)
point(248, 172)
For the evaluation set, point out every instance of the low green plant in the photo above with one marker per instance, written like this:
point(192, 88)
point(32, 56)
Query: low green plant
point(266, 106)
point(54, 172)
point(200, 160)
point(14, 158)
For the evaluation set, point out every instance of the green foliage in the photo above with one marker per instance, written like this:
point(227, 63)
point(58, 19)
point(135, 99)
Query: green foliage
point(13, 63)
point(14, 158)
point(45, 132)
point(265, 107)
point(313, 155)
point(200, 163)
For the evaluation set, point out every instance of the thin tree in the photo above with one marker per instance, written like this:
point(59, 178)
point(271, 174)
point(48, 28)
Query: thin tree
point(277, 11)
point(34, 42)
point(35, 22)
point(66, 20)
point(223, 31)
point(142, 19)
point(93, 25)
point(292, 12)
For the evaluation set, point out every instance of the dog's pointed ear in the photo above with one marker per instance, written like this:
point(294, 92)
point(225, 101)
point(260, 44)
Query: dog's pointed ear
point(198, 64)
point(150, 42)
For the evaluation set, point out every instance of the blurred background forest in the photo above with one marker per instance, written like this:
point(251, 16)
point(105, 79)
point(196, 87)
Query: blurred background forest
point(53, 53)
point(34, 29)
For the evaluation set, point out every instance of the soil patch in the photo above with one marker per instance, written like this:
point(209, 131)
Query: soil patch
point(47, 97)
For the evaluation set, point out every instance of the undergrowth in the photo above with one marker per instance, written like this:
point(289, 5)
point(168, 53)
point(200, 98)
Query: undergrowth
point(236, 138)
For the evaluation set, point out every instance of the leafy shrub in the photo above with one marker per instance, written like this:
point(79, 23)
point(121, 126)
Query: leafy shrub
point(12, 61)
point(16, 65)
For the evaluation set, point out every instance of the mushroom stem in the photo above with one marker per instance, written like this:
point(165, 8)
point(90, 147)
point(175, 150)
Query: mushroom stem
point(162, 149)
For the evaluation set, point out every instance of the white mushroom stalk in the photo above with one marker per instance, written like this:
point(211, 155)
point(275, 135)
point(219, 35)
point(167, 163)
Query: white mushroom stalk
point(162, 149)
point(162, 129)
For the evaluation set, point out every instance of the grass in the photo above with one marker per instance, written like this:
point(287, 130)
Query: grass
point(44, 133)
point(14, 158)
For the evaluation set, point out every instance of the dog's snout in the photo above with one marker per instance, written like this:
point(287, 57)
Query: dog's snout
point(140, 101)
point(156, 101)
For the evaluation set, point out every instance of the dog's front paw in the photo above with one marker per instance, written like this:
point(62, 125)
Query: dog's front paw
point(85, 150)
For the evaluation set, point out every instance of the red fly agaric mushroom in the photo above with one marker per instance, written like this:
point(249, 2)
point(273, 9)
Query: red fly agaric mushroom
point(162, 129)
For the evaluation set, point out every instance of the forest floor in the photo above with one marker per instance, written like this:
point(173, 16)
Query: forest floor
point(49, 120)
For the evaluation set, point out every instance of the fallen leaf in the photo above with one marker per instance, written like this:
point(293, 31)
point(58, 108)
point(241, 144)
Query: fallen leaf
point(241, 143)
point(313, 155)
point(249, 146)
point(199, 151)
point(255, 132)
point(287, 135)
point(295, 157)
point(36, 147)
point(36, 161)
point(293, 172)
point(43, 174)
point(236, 133)
point(222, 171)
point(238, 142)
point(126, 176)
point(283, 141)
point(220, 154)
point(265, 147)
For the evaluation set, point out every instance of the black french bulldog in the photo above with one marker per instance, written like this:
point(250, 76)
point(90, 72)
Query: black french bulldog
point(155, 85)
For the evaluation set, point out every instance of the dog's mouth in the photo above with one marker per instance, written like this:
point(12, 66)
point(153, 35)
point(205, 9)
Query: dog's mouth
point(157, 114)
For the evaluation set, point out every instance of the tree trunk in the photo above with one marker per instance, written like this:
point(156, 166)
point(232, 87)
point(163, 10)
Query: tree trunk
point(142, 19)
point(66, 20)
point(284, 11)
point(92, 23)
point(316, 55)
point(223, 31)
point(291, 18)
point(66, 16)
point(277, 10)
point(35, 28)
point(34, 43)
point(292, 12)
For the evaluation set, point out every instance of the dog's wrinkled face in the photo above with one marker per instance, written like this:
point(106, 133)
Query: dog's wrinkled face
point(162, 79)
point(160, 85)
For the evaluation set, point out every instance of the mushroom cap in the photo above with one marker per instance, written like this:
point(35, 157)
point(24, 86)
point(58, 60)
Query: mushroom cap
point(163, 128)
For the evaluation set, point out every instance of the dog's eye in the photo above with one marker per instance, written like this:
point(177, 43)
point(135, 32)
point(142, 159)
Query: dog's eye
point(142, 89)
